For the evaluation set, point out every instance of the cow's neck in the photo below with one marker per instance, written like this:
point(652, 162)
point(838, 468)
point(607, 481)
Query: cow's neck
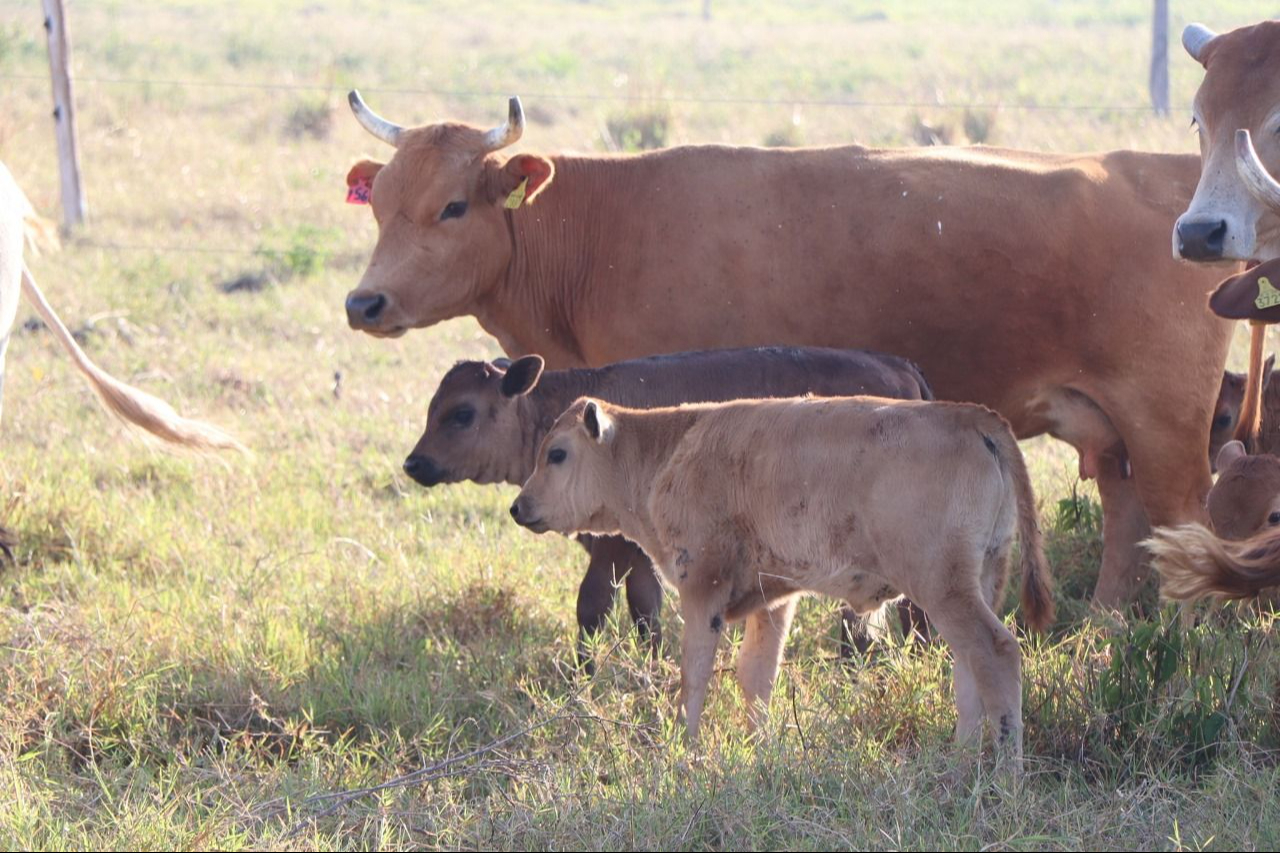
point(644, 444)
point(555, 243)
point(555, 392)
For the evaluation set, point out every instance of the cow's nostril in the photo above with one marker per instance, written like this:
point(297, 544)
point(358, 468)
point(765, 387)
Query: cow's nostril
point(515, 510)
point(365, 310)
point(374, 308)
point(1202, 239)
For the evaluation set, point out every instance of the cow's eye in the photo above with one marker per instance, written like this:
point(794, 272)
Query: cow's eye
point(1222, 421)
point(463, 417)
point(556, 455)
point(453, 210)
point(1274, 518)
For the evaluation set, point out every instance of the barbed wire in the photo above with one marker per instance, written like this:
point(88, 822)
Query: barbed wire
point(605, 97)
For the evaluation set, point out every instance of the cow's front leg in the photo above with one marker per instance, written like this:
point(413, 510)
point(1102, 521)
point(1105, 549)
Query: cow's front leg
point(760, 655)
point(704, 622)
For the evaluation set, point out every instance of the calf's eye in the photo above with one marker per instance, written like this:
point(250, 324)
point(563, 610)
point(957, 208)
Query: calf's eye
point(463, 417)
point(1222, 421)
point(453, 210)
point(1274, 518)
point(557, 455)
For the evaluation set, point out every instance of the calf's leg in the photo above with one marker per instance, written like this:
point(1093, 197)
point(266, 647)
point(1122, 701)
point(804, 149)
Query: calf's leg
point(760, 654)
point(704, 620)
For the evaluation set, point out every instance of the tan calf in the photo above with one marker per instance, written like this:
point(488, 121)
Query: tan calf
point(745, 505)
point(1240, 556)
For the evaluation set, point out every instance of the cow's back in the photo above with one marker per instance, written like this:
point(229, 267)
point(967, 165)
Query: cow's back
point(819, 483)
point(713, 376)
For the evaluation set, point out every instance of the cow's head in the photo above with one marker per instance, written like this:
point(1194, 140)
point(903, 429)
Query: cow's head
point(1246, 498)
point(574, 484)
point(474, 429)
point(441, 204)
point(1235, 214)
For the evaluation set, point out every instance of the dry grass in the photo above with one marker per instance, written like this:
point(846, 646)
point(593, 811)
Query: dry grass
point(197, 655)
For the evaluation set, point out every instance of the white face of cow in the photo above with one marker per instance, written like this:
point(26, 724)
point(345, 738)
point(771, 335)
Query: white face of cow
point(1235, 213)
point(571, 489)
point(441, 204)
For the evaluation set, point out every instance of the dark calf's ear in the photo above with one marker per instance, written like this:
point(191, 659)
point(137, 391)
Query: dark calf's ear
point(520, 179)
point(599, 425)
point(1230, 452)
point(360, 181)
point(522, 376)
point(1267, 366)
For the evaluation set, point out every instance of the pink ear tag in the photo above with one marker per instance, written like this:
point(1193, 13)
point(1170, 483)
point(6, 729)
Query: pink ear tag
point(358, 193)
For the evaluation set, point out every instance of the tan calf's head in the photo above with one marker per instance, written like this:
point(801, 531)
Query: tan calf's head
point(443, 239)
point(474, 430)
point(575, 481)
point(1235, 214)
point(1246, 498)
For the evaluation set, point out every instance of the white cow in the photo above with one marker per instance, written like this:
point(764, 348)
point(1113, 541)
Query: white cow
point(18, 225)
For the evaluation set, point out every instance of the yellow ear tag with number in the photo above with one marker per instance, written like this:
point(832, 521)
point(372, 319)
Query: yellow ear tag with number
point(1268, 296)
point(517, 196)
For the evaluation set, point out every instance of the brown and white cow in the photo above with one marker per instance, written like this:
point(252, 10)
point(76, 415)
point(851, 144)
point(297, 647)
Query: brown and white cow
point(745, 505)
point(1039, 285)
point(1235, 213)
point(486, 420)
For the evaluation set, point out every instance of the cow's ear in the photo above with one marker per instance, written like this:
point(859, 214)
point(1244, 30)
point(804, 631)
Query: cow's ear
point(1230, 452)
point(522, 376)
point(360, 181)
point(599, 425)
point(1266, 369)
point(520, 179)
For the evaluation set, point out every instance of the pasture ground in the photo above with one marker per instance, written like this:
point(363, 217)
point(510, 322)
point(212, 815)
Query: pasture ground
point(206, 654)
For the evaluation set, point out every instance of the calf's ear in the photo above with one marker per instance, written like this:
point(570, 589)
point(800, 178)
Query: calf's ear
point(1230, 452)
point(522, 376)
point(599, 425)
point(1266, 369)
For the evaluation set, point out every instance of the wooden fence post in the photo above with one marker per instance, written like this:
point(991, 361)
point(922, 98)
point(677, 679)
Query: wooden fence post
point(55, 24)
point(1159, 82)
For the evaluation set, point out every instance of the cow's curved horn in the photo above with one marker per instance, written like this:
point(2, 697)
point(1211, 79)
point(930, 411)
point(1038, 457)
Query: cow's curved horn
point(372, 122)
point(1194, 39)
point(1265, 188)
point(507, 134)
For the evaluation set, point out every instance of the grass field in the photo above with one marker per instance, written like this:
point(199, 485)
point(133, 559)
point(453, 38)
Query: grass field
point(208, 654)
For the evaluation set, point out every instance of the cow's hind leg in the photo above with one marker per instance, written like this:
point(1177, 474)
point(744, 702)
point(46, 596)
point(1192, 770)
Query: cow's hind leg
point(760, 655)
point(1124, 525)
point(988, 663)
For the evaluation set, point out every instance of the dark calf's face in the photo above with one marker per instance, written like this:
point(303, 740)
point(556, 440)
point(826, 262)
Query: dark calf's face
point(474, 427)
point(570, 488)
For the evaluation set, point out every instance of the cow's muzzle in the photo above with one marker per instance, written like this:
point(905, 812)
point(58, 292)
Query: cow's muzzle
point(525, 518)
point(424, 470)
point(1201, 239)
point(365, 311)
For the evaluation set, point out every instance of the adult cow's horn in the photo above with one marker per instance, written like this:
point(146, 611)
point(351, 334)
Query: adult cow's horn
point(506, 134)
point(372, 122)
point(1194, 39)
point(1265, 188)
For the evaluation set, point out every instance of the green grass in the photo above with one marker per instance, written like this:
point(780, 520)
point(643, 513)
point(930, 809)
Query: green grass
point(194, 651)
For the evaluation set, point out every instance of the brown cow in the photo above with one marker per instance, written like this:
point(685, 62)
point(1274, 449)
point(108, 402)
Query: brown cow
point(486, 420)
point(1240, 556)
point(1036, 284)
point(745, 505)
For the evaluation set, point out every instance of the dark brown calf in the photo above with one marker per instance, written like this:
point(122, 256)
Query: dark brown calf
point(486, 420)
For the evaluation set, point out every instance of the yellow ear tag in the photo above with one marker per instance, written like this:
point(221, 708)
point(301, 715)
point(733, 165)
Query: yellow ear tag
point(1268, 296)
point(517, 196)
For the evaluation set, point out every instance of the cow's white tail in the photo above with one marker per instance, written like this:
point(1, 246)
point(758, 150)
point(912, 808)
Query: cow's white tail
point(1194, 563)
point(130, 404)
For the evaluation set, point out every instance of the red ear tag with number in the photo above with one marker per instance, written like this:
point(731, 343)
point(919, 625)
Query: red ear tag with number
point(358, 193)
